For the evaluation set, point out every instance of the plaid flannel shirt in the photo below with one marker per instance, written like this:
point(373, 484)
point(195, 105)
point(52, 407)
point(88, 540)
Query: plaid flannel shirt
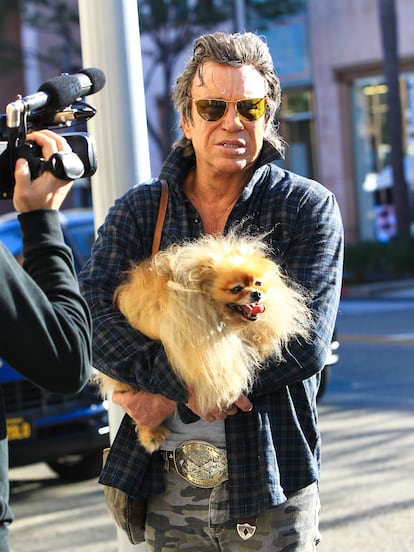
point(274, 450)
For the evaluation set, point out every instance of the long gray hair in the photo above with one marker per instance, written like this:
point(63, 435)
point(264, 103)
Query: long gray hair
point(235, 50)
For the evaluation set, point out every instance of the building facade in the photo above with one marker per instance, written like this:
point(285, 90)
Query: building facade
point(350, 103)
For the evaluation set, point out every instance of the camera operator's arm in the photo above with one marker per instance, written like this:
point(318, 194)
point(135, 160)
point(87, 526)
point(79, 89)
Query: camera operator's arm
point(46, 328)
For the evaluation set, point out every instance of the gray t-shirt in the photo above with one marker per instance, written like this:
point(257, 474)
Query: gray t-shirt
point(212, 432)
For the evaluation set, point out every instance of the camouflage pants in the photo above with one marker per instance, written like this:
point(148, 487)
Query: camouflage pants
point(189, 518)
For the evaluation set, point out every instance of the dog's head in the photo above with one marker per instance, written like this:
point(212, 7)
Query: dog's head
point(240, 291)
point(239, 284)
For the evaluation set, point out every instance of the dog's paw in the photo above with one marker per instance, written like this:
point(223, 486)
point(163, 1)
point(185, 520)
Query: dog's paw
point(152, 438)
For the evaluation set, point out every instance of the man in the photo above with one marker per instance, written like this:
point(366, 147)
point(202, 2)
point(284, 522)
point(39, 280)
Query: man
point(45, 323)
point(221, 173)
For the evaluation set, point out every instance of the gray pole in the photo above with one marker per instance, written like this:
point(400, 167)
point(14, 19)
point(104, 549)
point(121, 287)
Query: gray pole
point(111, 42)
point(240, 15)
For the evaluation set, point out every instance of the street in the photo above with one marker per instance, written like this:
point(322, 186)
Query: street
point(367, 423)
point(52, 516)
point(367, 428)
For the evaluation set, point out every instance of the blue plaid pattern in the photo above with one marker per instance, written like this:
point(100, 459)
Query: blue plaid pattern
point(274, 450)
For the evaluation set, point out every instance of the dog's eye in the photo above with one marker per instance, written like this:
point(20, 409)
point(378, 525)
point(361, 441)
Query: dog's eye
point(258, 283)
point(237, 289)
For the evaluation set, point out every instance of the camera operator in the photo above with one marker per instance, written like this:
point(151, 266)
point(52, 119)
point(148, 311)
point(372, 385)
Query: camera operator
point(45, 323)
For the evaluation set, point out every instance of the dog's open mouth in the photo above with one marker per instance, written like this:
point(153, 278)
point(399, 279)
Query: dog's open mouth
point(249, 311)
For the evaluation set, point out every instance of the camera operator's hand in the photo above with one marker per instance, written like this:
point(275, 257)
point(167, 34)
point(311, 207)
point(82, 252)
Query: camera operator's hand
point(46, 191)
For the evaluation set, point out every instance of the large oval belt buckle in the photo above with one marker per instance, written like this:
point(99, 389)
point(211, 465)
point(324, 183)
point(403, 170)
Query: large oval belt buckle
point(201, 464)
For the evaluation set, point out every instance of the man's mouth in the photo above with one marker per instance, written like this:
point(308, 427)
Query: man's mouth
point(249, 311)
point(233, 146)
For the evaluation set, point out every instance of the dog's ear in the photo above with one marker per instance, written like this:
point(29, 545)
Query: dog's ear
point(161, 263)
point(203, 275)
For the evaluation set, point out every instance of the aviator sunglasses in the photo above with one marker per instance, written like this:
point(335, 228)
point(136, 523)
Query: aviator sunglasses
point(213, 110)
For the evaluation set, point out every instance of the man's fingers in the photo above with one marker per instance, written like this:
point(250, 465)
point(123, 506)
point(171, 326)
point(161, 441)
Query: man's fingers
point(244, 404)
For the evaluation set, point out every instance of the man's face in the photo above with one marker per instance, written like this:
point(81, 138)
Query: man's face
point(230, 144)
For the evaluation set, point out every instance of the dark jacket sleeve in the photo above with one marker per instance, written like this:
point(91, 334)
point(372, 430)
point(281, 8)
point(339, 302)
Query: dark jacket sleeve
point(45, 323)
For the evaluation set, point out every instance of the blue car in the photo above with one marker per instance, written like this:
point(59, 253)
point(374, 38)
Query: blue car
point(68, 433)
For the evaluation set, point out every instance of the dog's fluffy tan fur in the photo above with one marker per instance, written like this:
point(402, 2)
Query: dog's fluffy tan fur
point(220, 306)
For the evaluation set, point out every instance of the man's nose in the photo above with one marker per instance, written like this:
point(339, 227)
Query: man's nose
point(232, 117)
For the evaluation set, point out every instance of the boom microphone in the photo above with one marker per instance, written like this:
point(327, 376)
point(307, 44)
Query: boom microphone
point(55, 94)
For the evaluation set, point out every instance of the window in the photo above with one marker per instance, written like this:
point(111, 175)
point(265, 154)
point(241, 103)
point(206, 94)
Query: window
point(372, 150)
point(297, 128)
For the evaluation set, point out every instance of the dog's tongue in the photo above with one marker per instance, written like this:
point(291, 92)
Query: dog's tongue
point(253, 310)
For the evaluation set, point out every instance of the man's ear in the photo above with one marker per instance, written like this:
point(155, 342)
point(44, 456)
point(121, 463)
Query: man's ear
point(186, 126)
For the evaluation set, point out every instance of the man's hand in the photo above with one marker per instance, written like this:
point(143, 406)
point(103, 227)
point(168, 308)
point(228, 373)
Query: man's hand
point(145, 408)
point(46, 191)
point(242, 403)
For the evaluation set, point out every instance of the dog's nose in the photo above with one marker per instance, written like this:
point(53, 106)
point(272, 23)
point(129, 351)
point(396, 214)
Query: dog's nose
point(256, 295)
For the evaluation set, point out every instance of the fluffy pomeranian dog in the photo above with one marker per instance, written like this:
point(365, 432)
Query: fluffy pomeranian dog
point(220, 306)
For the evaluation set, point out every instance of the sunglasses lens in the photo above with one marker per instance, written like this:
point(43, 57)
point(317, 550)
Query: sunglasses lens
point(211, 110)
point(251, 109)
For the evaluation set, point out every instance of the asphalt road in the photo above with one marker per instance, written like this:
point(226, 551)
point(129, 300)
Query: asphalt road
point(367, 422)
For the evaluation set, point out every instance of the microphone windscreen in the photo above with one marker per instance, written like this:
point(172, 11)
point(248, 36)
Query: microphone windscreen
point(97, 78)
point(62, 90)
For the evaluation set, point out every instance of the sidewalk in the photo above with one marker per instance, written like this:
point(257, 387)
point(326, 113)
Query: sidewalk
point(397, 289)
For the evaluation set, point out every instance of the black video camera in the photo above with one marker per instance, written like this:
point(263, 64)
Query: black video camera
point(56, 105)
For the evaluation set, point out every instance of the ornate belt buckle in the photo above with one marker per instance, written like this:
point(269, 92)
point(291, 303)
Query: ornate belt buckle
point(201, 464)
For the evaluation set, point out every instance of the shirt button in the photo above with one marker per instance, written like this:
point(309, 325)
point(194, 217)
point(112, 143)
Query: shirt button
point(197, 220)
